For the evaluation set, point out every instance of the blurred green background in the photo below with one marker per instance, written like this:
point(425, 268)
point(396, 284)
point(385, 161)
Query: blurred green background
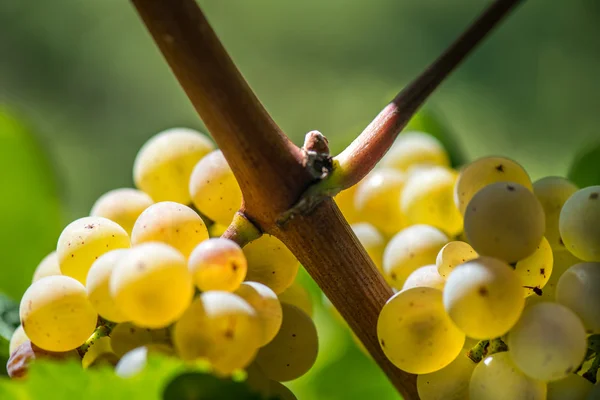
point(91, 88)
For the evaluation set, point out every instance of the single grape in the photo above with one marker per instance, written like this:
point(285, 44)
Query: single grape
point(217, 230)
point(257, 381)
point(452, 255)
point(17, 338)
point(504, 220)
point(497, 378)
point(535, 270)
point(579, 289)
point(448, 383)
point(172, 223)
point(280, 391)
point(122, 206)
point(415, 148)
point(485, 171)
point(163, 166)
point(372, 241)
point(218, 264)
point(266, 304)
point(415, 332)
point(548, 342)
point(345, 202)
point(97, 285)
point(20, 359)
point(427, 276)
point(562, 261)
point(86, 239)
point(484, 297)
point(47, 267)
point(573, 387)
point(56, 313)
point(151, 285)
point(298, 296)
point(214, 189)
point(98, 349)
point(578, 224)
point(127, 336)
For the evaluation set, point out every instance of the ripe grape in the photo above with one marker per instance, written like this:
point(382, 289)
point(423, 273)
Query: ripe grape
point(127, 336)
point(97, 285)
point(486, 171)
point(214, 189)
point(132, 363)
point(371, 240)
point(298, 296)
point(163, 166)
point(294, 349)
point(504, 220)
point(267, 306)
point(484, 297)
point(17, 338)
point(122, 206)
point(579, 289)
point(452, 255)
point(563, 260)
point(86, 239)
point(218, 264)
point(47, 267)
point(217, 230)
point(151, 285)
point(448, 383)
point(573, 387)
point(427, 276)
point(99, 349)
point(415, 332)
point(56, 313)
point(19, 361)
point(535, 270)
point(578, 224)
point(415, 148)
point(548, 342)
point(280, 391)
point(345, 202)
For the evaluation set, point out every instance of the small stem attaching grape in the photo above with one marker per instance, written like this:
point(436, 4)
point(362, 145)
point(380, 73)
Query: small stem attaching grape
point(104, 329)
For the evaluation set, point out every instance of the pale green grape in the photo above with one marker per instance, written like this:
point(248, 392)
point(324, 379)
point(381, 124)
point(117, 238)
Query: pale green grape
point(294, 349)
point(563, 260)
point(415, 148)
point(497, 378)
point(270, 263)
point(553, 192)
point(56, 313)
point(267, 306)
point(122, 206)
point(151, 285)
point(345, 202)
point(47, 267)
point(415, 332)
point(172, 223)
point(578, 224)
point(280, 391)
point(535, 270)
point(371, 240)
point(411, 248)
point(484, 297)
point(17, 338)
point(218, 264)
point(86, 239)
point(579, 289)
point(127, 336)
point(548, 342)
point(298, 296)
point(99, 349)
point(573, 387)
point(164, 164)
point(504, 220)
point(452, 255)
point(483, 172)
point(214, 189)
point(427, 198)
point(97, 285)
point(427, 276)
point(449, 383)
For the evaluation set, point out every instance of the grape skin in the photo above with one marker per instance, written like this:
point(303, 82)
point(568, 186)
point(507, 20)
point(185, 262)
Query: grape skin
point(372, 241)
point(270, 263)
point(127, 336)
point(535, 270)
point(218, 264)
point(578, 224)
point(453, 254)
point(573, 387)
point(298, 296)
point(281, 391)
point(17, 338)
point(266, 304)
point(426, 276)
point(47, 267)
point(562, 260)
point(122, 206)
point(415, 148)
point(449, 383)
point(97, 285)
point(579, 289)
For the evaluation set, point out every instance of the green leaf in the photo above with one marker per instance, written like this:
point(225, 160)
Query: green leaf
point(9, 320)
point(585, 169)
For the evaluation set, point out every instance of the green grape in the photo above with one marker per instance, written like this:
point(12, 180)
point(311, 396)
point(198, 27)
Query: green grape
point(415, 148)
point(573, 387)
point(127, 336)
point(415, 332)
point(266, 304)
point(270, 263)
point(504, 220)
point(377, 200)
point(345, 202)
point(47, 267)
point(257, 381)
point(548, 342)
point(372, 241)
point(214, 189)
point(563, 260)
point(122, 206)
point(497, 378)
point(217, 230)
point(485, 171)
point(553, 192)
point(452, 255)
point(449, 383)
point(164, 164)
point(98, 349)
point(97, 285)
point(535, 270)
point(579, 289)
point(56, 313)
point(294, 349)
point(298, 296)
point(411, 248)
point(427, 198)
point(172, 223)
point(86, 239)
point(280, 391)
point(218, 264)
point(578, 224)
point(151, 285)
point(427, 276)
point(484, 297)
point(17, 338)
point(220, 327)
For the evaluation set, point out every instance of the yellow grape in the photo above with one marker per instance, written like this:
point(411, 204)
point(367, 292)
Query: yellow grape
point(535, 270)
point(151, 285)
point(163, 166)
point(415, 332)
point(216, 230)
point(218, 264)
point(220, 327)
point(267, 306)
point(427, 276)
point(298, 296)
point(98, 351)
point(18, 338)
point(452, 255)
point(135, 360)
point(47, 267)
point(372, 241)
point(172, 223)
point(448, 383)
point(345, 202)
point(86, 239)
point(280, 391)
point(127, 336)
point(56, 313)
point(294, 349)
point(122, 206)
point(411, 248)
point(579, 289)
point(214, 189)
point(270, 263)
point(562, 261)
point(97, 285)
point(505, 221)
point(573, 387)
point(415, 148)
point(578, 224)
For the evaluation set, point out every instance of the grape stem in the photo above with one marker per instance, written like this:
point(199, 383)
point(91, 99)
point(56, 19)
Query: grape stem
point(241, 230)
point(592, 372)
point(486, 348)
point(103, 329)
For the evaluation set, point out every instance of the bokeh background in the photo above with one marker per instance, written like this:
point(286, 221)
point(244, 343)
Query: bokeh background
point(82, 87)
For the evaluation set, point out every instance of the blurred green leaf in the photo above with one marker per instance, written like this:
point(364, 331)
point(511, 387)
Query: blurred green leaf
point(585, 168)
point(9, 320)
